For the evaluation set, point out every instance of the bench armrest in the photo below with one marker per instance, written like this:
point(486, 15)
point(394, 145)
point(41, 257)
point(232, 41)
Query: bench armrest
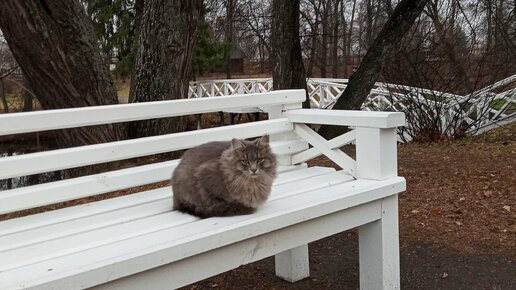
point(347, 118)
point(374, 134)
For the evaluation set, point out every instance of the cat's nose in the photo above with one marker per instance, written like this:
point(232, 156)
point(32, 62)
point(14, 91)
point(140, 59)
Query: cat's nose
point(253, 170)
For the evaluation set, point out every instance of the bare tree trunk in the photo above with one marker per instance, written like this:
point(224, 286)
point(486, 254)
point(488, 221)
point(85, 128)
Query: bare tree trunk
point(348, 40)
point(2, 97)
point(27, 96)
point(314, 27)
point(55, 46)
point(361, 82)
point(325, 37)
point(344, 63)
point(230, 12)
point(163, 60)
point(489, 31)
point(369, 24)
point(138, 13)
point(288, 71)
point(313, 47)
point(335, 42)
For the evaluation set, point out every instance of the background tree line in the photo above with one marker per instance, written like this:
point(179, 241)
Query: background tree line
point(64, 48)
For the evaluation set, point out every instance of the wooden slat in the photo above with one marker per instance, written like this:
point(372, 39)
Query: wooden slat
point(68, 118)
point(208, 264)
point(59, 191)
point(336, 155)
point(112, 261)
point(85, 155)
point(81, 212)
point(23, 249)
point(58, 229)
point(54, 192)
point(347, 118)
point(334, 143)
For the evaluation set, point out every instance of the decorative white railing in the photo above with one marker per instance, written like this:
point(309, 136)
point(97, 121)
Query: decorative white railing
point(474, 113)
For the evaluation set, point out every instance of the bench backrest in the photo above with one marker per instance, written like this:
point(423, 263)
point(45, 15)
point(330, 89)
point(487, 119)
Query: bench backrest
point(54, 192)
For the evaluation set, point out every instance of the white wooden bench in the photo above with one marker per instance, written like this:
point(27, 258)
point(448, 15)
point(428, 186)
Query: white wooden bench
point(137, 242)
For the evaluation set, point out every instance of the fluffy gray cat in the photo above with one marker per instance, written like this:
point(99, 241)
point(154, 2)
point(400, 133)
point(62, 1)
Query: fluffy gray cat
point(224, 178)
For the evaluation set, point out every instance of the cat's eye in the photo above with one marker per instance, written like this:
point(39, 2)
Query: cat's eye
point(260, 160)
point(244, 161)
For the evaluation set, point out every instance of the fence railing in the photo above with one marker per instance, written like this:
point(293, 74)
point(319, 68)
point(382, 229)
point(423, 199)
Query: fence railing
point(477, 112)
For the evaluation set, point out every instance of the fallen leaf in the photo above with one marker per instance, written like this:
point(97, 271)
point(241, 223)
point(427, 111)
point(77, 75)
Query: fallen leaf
point(488, 193)
point(445, 275)
point(507, 208)
point(462, 199)
point(415, 211)
point(435, 210)
point(458, 223)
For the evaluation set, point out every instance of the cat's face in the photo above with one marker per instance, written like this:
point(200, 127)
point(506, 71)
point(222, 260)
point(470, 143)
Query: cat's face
point(253, 158)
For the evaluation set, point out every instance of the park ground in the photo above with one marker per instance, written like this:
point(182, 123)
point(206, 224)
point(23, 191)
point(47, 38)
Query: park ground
point(457, 224)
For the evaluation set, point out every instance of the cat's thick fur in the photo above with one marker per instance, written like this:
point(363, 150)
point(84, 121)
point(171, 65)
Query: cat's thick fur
point(224, 178)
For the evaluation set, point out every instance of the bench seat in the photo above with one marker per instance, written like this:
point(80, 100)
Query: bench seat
point(117, 238)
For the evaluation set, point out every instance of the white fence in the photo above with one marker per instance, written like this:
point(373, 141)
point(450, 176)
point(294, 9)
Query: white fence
point(473, 113)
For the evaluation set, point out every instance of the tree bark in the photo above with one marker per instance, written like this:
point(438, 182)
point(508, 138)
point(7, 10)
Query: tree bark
point(27, 96)
point(335, 42)
point(361, 82)
point(325, 37)
point(138, 13)
point(348, 39)
point(163, 61)
point(288, 70)
point(56, 48)
point(230, 11)
point(3, 99)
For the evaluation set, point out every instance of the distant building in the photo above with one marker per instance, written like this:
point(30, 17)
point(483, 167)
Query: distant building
point(237, 60)
point(236, 63)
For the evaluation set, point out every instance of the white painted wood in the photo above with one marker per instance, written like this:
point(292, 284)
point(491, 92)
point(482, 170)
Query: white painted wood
point(68, 228)
point(276, 112)
point(54, 192)
point(118, 205)
point(192, 269)
point(141, 253)
point(69, 189)
point(25, 248)
point(92, 154)
point(68, 118)
point(336, 155)
point(305, 180)
point(347, 118)
point(293, 265)
point(334, 143)
point(376, 153)
point(379, 249)
point(77, 212)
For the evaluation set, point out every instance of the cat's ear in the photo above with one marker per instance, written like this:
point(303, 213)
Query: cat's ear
point(263, 142)
point(237, 144)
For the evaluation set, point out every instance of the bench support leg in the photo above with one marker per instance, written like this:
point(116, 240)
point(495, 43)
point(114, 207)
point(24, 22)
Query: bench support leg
point(292, 265)
point(379, 249)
